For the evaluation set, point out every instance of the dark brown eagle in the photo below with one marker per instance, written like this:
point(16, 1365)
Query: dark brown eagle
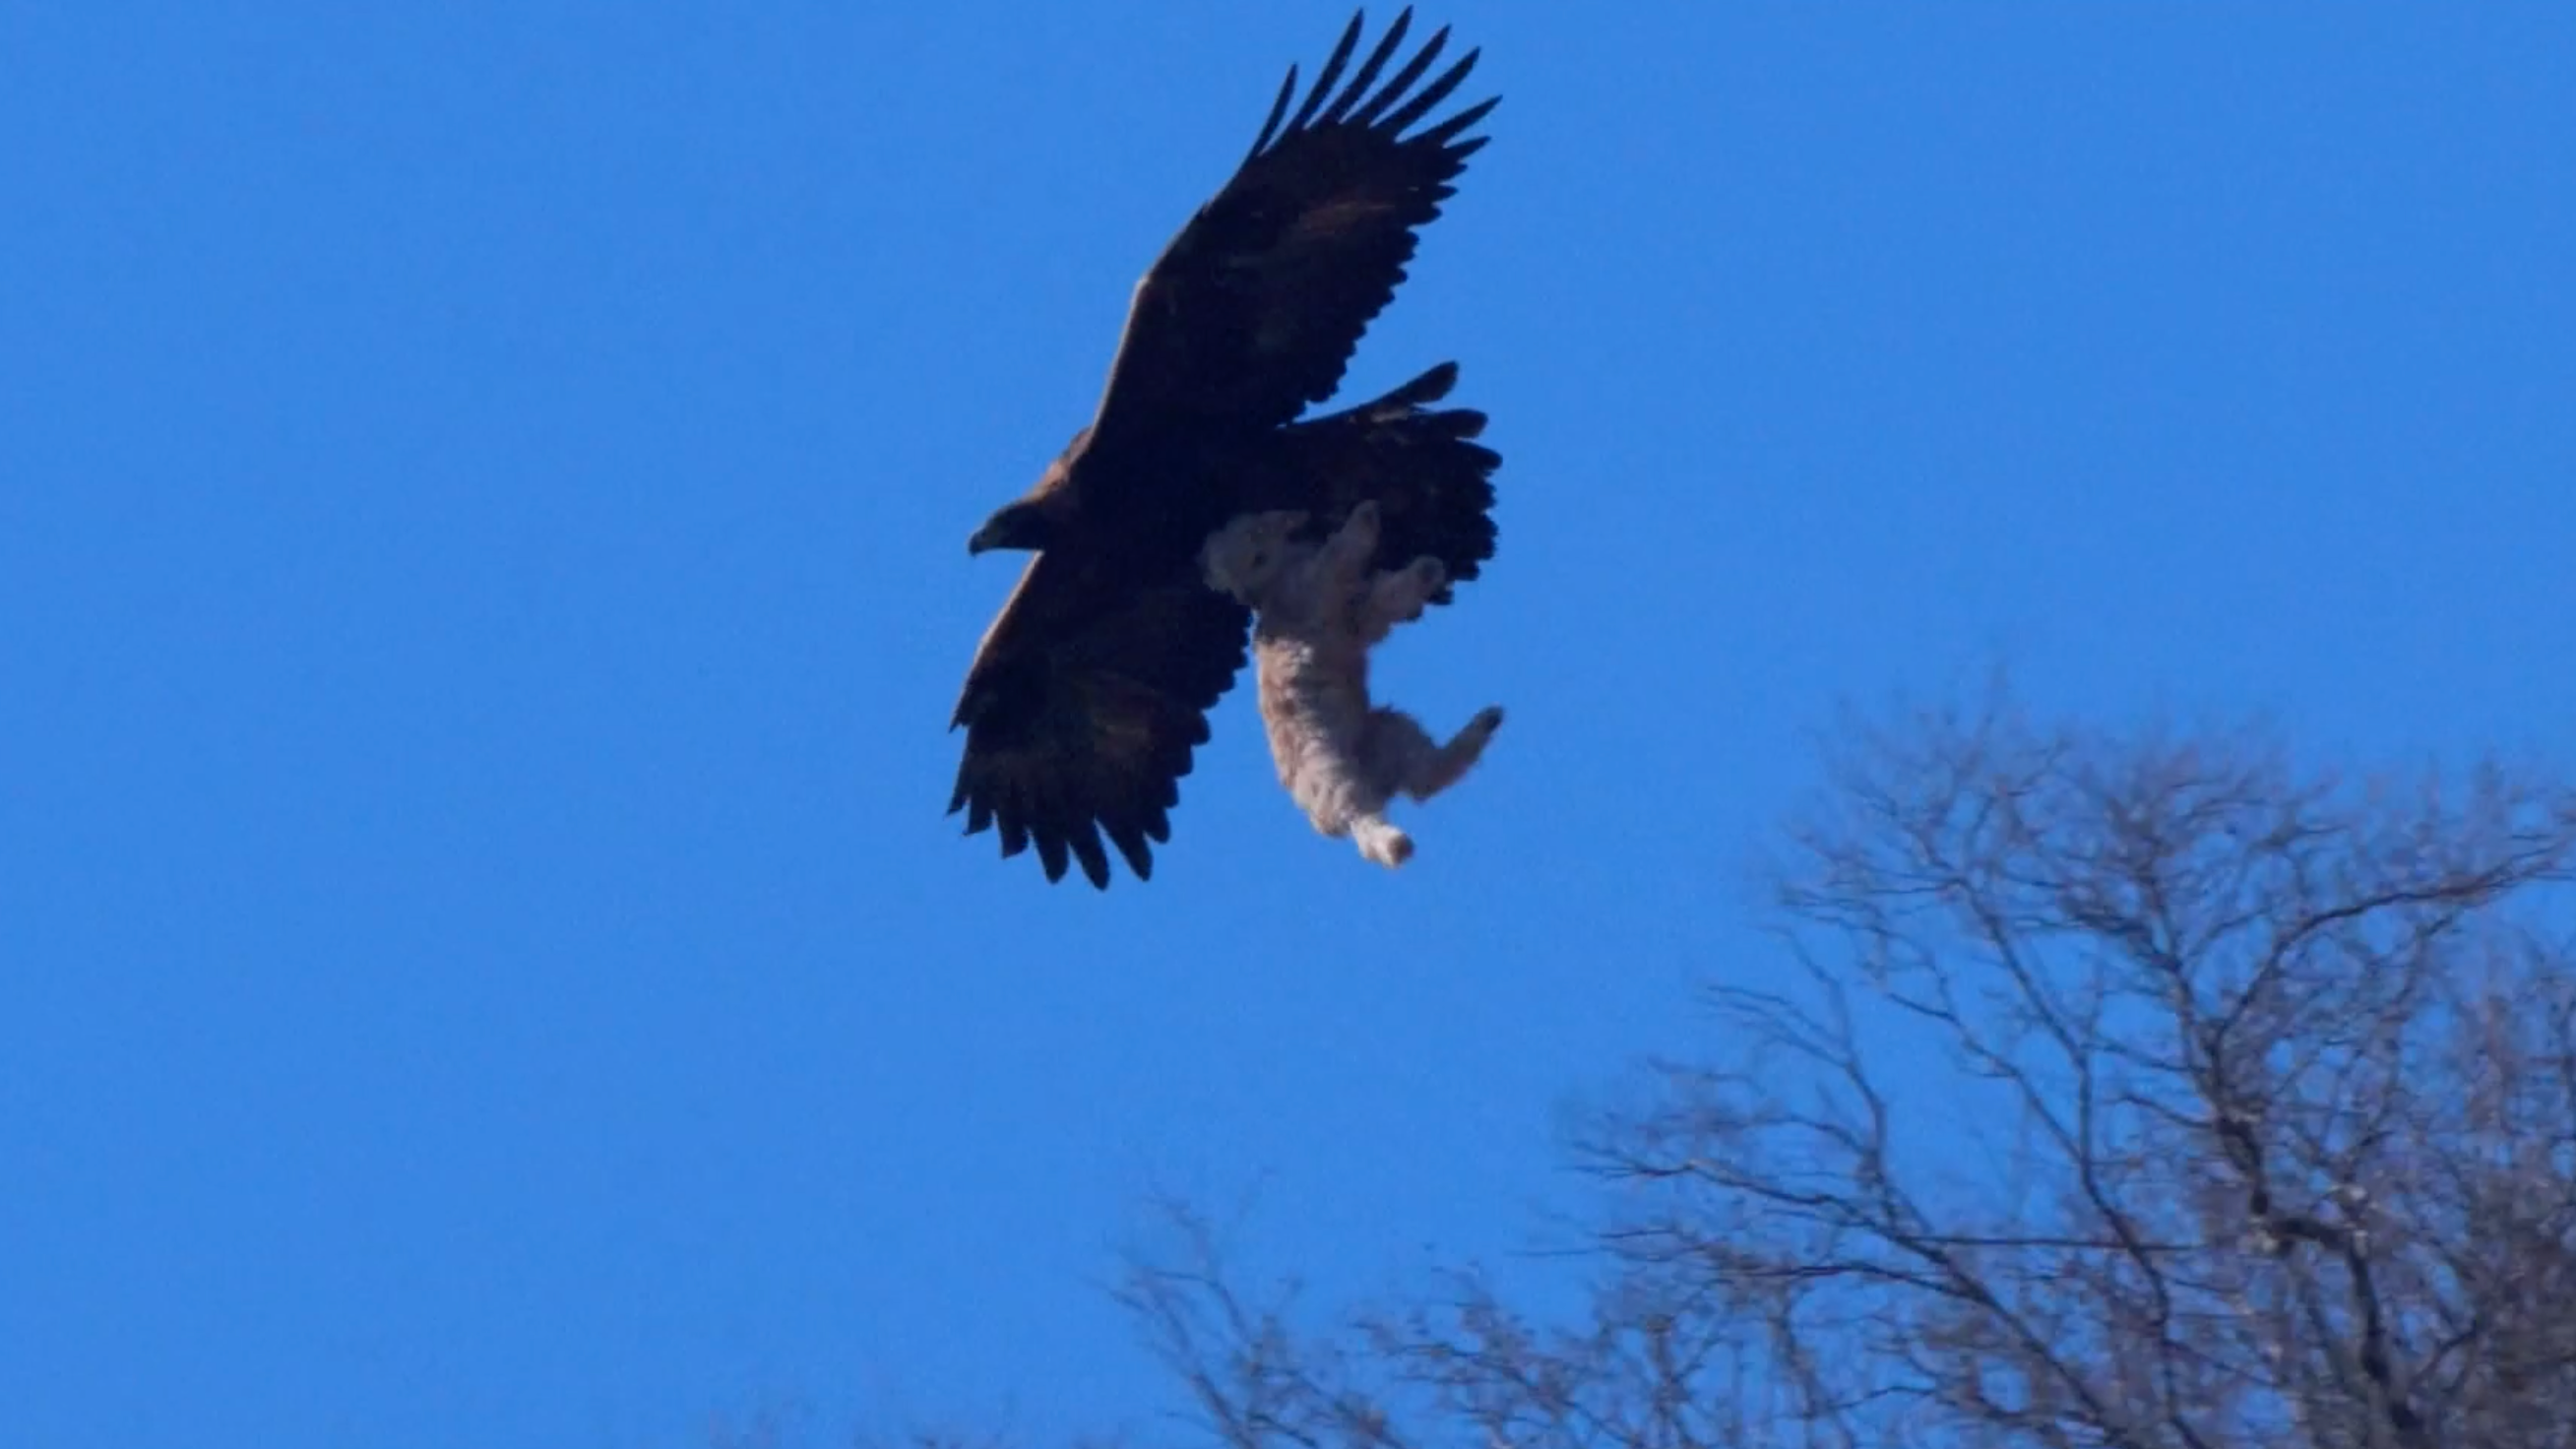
point(1092, 687)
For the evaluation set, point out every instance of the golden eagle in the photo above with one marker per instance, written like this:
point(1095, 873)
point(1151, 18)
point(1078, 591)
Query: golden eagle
point(1090, 689)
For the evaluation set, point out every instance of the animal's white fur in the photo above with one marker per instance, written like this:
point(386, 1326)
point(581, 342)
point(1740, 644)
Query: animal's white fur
point(1317, 613)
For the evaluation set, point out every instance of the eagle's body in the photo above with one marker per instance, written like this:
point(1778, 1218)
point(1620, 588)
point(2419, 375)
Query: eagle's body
point(1091, 689)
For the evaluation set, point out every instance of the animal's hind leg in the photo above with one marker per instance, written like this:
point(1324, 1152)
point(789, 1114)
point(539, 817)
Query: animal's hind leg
point(1401, 752)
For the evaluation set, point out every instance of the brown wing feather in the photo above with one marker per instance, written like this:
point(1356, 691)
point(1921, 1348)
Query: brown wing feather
point(1433, 483)
point(1255, 307)
point(1082, 708)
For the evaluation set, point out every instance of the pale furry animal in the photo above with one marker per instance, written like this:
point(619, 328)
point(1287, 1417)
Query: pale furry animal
point(1317, 612)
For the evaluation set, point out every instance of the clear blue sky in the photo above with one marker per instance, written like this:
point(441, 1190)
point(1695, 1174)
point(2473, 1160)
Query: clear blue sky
point(483, 495)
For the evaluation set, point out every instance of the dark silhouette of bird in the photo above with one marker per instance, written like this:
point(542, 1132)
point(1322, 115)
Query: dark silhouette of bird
point(1092, 687)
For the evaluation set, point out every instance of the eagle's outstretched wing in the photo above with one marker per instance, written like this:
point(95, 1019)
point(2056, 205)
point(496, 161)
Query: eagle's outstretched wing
point(1083, 705)
point(1255, 307)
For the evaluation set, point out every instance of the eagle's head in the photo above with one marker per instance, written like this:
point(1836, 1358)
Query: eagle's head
point(1038, 518)
point(1027, 525)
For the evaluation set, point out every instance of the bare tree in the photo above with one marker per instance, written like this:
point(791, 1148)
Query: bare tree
point(2141, 1092)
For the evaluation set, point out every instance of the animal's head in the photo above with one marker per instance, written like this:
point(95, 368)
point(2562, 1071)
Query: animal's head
point(1243, 558)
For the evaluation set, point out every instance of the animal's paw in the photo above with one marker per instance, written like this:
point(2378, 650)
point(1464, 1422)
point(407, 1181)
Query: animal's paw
point(1487, 720)
point(1382, 842)
point(1429, 574)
